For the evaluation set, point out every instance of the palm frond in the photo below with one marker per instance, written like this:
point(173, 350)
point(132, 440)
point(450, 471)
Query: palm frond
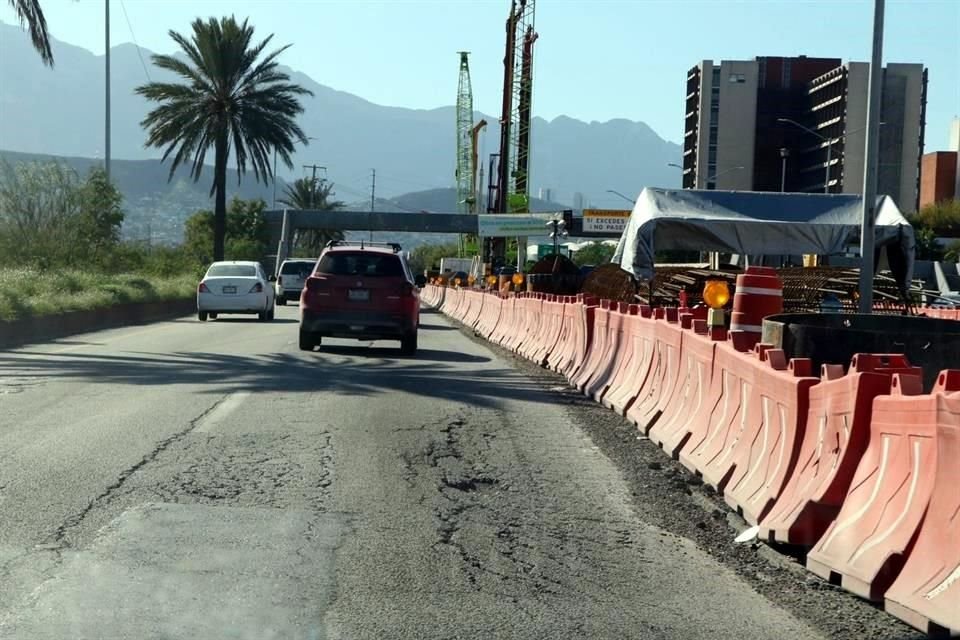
point(30, 15)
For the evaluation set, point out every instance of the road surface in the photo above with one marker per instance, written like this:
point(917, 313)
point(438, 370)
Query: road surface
point(191, 480)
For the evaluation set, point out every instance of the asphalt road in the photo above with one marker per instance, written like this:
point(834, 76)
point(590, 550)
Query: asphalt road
point(188, 480)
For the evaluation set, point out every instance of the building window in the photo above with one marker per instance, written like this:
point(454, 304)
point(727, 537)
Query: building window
point(737, 78)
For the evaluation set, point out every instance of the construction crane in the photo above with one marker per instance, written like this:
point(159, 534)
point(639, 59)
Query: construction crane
point(510, 192)
point(466, 192)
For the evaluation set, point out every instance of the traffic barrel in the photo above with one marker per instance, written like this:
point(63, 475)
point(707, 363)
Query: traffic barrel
point(759, 294)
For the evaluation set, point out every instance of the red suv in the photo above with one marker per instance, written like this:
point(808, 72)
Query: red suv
point(363, 291)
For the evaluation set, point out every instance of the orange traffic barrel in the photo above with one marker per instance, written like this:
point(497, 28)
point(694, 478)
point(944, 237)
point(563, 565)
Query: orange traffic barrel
point(759, 294)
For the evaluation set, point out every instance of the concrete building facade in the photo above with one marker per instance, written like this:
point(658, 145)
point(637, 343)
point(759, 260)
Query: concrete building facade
point(938, 177)
point(736, 136)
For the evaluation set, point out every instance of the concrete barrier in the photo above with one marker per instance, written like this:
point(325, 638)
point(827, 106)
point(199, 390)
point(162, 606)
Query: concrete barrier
point(44, 328)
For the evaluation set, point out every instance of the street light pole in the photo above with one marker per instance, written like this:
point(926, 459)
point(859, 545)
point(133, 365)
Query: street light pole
point(874, 91)
point(617, 193)
point(784, 154)
point(829, 141)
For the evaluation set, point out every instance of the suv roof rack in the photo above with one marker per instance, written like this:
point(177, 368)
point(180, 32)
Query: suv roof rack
point(364, 244)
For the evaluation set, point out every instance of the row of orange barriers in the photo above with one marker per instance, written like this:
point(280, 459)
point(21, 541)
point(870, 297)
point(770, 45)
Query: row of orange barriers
point(857, 465)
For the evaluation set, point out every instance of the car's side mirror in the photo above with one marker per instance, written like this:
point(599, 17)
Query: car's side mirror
point(420, 280)
point(271, 278)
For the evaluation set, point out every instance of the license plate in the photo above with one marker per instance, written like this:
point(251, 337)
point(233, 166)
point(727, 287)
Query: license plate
point(229, 289)
point(358, 295)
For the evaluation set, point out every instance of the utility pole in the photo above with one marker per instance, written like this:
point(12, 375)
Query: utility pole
point(313, 169)
point(106, 111)
point(373, 200)
point(874, 91)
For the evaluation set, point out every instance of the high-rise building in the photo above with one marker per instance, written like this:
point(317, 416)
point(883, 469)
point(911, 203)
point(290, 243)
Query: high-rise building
point(546, 193)
point(578, 200)
point(770, 123)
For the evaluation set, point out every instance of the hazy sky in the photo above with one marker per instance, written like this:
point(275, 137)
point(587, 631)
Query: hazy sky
point(594, 60)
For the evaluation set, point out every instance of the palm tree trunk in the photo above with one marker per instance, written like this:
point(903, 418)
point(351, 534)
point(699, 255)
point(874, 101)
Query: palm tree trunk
point(220, 199)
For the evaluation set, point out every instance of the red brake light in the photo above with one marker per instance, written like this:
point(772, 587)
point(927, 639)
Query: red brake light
point(407, 290)
point(312, 284)
point(203, 288)
point(257, 288)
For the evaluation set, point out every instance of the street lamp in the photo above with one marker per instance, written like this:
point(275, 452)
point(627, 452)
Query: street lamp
point(784, 154)
point(829, 141)
point(557, 229)
point(714, 176)
point(725, 171)
point(617, 193)
point(275, 173)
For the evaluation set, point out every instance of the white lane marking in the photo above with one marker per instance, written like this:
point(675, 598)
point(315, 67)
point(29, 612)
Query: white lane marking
point(223, 411)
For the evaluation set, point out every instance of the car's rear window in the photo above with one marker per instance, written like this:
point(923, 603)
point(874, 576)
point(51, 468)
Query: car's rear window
point(361, 263)
point(232, 270)
point(299, 266)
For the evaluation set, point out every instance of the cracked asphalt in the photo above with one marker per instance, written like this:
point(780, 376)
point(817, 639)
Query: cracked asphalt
point(186, 480)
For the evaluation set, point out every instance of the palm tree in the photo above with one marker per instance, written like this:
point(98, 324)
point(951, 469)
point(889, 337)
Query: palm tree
point(313, 195)
point(231, 99)
point(30, 15)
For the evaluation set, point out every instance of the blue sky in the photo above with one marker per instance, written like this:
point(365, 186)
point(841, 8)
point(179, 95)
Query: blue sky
point(595, 59)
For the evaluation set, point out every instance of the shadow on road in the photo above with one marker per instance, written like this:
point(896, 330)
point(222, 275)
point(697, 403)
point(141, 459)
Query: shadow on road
point(435, 327)
point(452, 375)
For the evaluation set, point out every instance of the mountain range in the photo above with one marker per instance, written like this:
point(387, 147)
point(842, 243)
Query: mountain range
point(59, 112)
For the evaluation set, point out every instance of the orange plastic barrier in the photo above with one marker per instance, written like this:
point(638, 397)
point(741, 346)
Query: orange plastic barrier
point(664, 373)
point(639, 343)
point(753, 433)
point(623, 371)
point(528, 308)
point(598, 344)
point(490, 311)
point(506, 321)
point(530, 332)
point(583, 337)
point(452, 301)
point(562, 352)
point(766, 449)
point(835, 437)
point(691, 396)
point(508, 333)
point(612, 357)
point(548, 331)
point(927, 592)
point(865, 547)
point(474, 308)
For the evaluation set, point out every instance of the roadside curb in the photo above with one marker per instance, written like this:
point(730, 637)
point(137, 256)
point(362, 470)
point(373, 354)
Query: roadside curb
point(39, 329)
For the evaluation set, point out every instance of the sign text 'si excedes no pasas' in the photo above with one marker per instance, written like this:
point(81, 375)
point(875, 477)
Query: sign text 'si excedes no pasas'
point(605, 220)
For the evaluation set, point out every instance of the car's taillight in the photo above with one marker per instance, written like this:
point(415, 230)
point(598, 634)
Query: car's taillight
point(407, 290)
point(257, 288)
point(203, 288)
point(280, 281)
point(312, 285)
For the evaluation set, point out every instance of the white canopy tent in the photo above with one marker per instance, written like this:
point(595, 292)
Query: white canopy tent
point(757, 223)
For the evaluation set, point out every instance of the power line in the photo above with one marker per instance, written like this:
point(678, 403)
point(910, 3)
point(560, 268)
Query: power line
point(135, 43)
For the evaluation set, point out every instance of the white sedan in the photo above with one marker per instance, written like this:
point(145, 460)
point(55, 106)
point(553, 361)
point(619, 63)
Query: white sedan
point(235, 287)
